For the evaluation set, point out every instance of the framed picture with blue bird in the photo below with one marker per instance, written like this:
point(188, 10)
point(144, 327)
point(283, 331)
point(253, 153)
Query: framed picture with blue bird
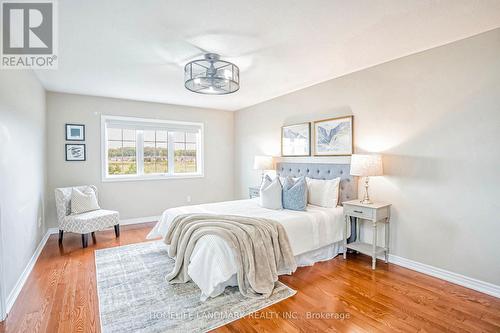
point(333, 137)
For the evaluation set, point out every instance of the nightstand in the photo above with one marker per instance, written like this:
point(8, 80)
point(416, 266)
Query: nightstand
point(253, 192)
point(376, 213)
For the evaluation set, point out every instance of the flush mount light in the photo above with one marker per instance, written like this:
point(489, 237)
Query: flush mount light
point(211, 76)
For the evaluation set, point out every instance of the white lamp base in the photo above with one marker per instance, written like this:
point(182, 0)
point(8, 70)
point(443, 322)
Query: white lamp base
point(366, 200)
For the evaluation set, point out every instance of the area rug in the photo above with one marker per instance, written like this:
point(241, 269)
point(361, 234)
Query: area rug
point(135, 297)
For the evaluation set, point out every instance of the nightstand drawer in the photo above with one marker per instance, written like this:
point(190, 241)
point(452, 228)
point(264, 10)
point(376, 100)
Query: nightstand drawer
point(357, 211)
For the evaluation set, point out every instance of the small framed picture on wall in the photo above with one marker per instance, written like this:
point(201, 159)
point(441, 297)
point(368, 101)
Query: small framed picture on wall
point(296, 140)
point(75, 132)
point(333, 137)
point(75, 152)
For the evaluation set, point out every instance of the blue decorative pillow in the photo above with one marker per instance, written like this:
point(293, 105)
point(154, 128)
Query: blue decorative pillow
point(295, 194)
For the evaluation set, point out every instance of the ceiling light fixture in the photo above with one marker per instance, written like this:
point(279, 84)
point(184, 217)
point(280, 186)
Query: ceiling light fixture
point(211, 76)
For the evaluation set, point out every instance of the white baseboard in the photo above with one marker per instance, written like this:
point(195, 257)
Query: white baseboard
point(11, 299)
point(462, 280)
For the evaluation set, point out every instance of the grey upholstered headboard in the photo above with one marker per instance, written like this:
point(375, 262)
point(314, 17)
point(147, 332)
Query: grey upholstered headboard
point(348, 183)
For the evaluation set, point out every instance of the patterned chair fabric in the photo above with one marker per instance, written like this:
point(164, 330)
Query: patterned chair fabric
point(85, 222)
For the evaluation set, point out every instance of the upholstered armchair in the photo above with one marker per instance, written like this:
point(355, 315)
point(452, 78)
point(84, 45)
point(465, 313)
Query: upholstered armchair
point(83, 223)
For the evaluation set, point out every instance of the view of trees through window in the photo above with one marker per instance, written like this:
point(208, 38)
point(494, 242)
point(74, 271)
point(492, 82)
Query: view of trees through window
point(122, 151)
point(184, 152)
point(155, 151)
point(123, 146)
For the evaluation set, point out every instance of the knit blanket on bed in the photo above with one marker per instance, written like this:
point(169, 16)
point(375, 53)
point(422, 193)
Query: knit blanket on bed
point(260, 247)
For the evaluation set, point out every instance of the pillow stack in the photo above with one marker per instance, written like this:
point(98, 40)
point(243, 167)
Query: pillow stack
point(295, 193)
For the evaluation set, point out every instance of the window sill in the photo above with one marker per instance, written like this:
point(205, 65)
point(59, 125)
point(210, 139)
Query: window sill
point(111, 179)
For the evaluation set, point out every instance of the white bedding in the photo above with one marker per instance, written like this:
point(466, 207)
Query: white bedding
point(313, 235)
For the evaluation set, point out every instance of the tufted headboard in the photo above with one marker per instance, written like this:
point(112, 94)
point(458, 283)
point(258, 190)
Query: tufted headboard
point(348, 183)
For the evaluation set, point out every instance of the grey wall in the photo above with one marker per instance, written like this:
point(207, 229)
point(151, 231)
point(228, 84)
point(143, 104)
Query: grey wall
point(136, 198)
point(22, 170)
point(435, 116)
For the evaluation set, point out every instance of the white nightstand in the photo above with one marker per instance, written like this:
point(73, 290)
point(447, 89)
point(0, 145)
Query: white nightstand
point(375, 213)
point(253, 192)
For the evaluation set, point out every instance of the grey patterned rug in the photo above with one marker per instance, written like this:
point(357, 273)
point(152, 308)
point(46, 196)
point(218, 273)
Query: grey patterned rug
point(134, 296)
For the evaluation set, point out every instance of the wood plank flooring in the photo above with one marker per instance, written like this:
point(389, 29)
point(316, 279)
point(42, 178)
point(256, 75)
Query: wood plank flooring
point(334, 296)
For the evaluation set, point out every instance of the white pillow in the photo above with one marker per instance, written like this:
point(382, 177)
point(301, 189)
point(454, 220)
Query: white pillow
point(83, 200)
point(270, 193)
point(324, 193)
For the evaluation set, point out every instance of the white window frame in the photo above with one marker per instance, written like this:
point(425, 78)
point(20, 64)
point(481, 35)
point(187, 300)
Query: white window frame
point(158, 124)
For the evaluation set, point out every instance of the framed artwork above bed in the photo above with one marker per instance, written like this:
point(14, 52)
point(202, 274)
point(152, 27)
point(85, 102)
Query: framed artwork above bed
point(296, 140)
point(333, 137)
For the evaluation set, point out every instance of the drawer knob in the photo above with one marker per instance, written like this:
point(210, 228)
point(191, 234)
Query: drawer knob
point(358, 211)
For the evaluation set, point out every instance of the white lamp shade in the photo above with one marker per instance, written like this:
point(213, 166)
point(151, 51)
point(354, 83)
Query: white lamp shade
point(263, 163)
point(366, 165)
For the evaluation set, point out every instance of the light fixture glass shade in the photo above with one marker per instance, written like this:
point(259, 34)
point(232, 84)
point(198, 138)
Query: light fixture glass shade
point(211, 76)
point(366, 165)
point(263, 163)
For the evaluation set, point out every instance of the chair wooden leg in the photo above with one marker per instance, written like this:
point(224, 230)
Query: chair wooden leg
point(61, 232)
point(85, 240)
point(93, 237)
point(117, 230)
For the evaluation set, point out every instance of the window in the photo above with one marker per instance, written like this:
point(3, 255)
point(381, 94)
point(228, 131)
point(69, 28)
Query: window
point(185, 152)
point(156, 151)
point(122, 151)
point(136, 148)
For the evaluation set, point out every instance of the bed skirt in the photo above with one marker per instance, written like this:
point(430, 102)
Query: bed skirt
point(306, 259)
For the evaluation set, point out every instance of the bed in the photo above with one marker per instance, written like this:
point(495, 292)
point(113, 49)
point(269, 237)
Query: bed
point(315, 235)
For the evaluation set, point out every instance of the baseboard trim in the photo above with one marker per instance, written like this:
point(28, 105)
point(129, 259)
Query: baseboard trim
point(462, 280)
point(11, 299)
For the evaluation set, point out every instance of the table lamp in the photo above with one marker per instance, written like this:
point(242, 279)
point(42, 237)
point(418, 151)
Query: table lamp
point(263, 163)
point(366, 166)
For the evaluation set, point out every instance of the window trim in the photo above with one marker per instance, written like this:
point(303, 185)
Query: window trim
point(105, 177)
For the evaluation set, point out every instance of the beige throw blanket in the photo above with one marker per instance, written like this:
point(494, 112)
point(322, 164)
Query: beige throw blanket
point(260, 246)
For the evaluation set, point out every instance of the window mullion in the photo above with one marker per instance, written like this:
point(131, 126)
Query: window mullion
point(140, 152)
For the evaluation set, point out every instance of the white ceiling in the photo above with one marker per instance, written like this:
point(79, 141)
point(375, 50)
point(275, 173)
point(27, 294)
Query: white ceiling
point(137, 49)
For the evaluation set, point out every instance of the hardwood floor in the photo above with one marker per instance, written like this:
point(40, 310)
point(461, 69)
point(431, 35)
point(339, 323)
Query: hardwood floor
point(337, 295)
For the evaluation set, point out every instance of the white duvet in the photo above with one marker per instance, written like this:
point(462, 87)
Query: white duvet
point(212, 265)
